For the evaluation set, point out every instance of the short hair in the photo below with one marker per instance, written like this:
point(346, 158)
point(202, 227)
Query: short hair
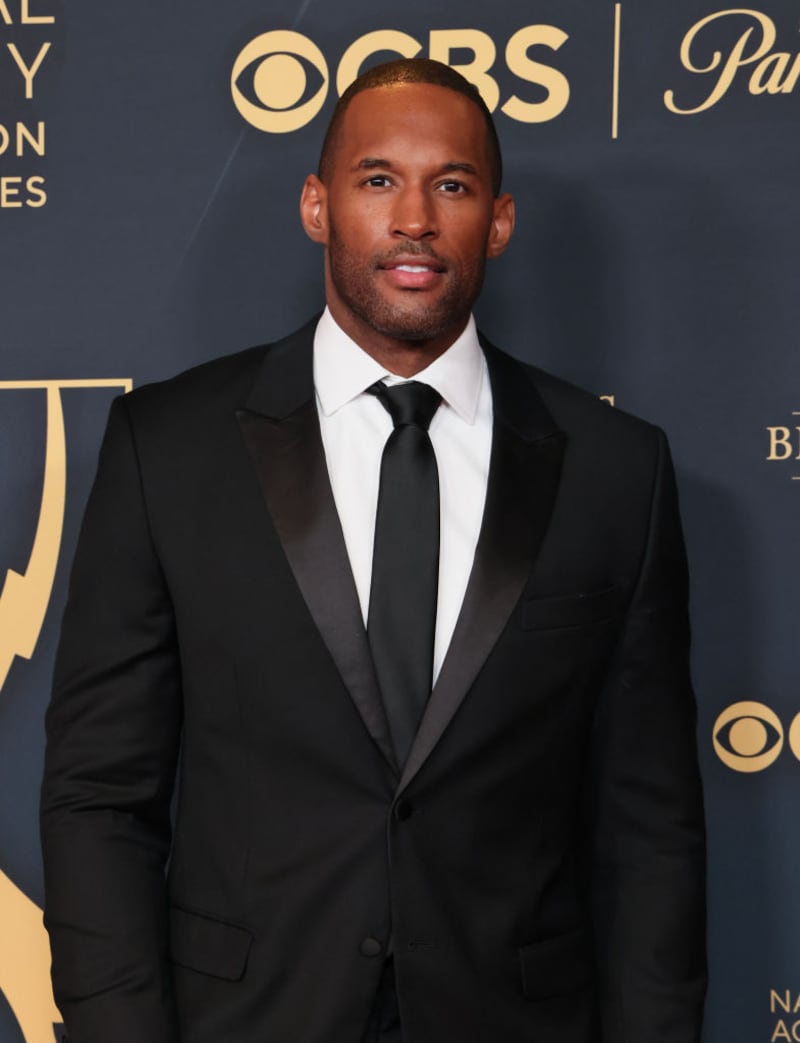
point(411, 70)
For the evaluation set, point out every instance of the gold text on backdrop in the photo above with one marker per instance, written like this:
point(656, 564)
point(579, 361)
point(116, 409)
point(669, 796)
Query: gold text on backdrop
point(271, 77)
point(25, 16)
point(26, 57)
point(22, 139)
point(28, 67)
point(786, 1030)
point(785, 1002)
point(784, 444)
point(769, 72)
point(19, 142)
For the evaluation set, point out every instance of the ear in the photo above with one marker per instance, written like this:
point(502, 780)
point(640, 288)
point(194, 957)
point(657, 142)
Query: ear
point(502, 225)
point(314, 209)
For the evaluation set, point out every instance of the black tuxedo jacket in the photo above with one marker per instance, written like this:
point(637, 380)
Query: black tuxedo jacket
point(537, 862)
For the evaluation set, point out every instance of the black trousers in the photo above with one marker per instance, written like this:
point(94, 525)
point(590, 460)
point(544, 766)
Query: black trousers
point(384, 1018)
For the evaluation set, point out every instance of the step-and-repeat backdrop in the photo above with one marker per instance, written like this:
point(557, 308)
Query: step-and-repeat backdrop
point(151, 156)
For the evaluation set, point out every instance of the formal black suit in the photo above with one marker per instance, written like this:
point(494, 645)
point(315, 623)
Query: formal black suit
point(539, 858)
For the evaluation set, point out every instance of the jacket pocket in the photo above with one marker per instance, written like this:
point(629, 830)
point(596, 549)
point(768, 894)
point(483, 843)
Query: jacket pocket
point(572, 610)
point(556, 966)
point(209, 946)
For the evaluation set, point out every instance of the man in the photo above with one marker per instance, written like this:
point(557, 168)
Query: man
point(516, 856)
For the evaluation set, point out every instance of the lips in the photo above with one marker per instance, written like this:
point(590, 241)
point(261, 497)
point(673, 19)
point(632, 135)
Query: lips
point(411, 272)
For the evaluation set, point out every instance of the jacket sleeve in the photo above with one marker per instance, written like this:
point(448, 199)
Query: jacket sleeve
point(648, 864)
point(113, 733)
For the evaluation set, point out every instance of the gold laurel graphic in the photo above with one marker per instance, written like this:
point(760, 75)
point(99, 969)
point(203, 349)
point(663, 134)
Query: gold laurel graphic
point(24, 946)
point(25, 965)
point(24, 600)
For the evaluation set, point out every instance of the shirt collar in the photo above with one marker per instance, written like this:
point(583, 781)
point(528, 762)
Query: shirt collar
point(343, 370)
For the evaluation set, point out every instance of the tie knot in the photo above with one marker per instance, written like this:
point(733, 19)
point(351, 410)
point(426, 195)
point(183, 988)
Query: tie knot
point(410, 403)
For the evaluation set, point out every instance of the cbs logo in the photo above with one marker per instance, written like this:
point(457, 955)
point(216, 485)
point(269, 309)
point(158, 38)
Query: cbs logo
point(281, 79)
point(749, 737)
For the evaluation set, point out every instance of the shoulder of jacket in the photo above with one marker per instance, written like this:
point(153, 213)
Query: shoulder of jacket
point(222, 383)
point(570, 404)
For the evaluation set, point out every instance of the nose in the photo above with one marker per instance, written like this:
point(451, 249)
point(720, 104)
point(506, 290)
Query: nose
point(414, 214)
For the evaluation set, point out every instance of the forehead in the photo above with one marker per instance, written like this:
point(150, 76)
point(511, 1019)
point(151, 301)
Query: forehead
point(411, 120)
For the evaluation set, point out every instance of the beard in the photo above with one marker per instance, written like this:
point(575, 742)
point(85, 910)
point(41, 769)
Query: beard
point(412, 315)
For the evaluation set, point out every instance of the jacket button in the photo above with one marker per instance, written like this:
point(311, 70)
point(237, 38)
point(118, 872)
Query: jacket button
point(370, 947)
point(403, 810)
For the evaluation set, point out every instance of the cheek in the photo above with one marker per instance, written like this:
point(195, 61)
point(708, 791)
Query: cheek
point(471, 241)
point(472, 256)
point(355, 240)
point(362, 223)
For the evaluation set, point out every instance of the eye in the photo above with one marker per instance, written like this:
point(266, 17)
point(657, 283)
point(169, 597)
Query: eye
point(378, 181)
point(748, 736)
point(279, 81)
point(453, 187)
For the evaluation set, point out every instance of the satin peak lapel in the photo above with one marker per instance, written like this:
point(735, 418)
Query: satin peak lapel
point(280, 427)
point(524, 473)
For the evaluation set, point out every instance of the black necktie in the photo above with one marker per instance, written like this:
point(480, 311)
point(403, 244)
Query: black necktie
point(405, 563)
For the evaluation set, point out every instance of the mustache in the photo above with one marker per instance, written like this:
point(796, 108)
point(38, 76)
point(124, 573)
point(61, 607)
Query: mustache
point(410, 248)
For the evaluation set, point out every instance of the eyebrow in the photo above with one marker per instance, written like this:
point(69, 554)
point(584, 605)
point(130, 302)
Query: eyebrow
point(373, 163)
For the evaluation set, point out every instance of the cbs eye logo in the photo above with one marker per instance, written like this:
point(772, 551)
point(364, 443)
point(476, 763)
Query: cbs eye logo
point(278, 69)
point(749, 737)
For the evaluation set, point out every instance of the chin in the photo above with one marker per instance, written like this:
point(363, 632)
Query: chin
point(412, 328)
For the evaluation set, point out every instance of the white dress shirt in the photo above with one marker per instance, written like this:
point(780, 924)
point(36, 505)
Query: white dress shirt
point(355, 427)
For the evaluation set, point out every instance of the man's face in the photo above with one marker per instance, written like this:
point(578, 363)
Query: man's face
point(408, 217)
